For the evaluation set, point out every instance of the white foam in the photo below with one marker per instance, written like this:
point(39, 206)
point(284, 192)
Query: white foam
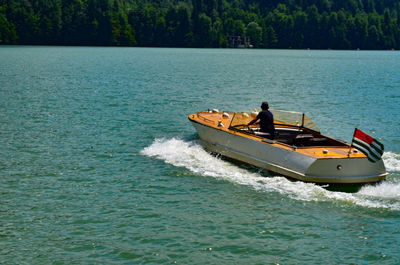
point(392, 161)
point(191, 155)
point(384, 190)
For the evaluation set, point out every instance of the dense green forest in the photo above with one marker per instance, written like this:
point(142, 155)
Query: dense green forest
point(315, 24)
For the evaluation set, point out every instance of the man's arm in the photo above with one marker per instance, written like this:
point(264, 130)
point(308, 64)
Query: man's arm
point(253, 121)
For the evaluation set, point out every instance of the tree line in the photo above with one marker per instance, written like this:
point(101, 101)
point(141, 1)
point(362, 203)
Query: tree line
point(300, 24)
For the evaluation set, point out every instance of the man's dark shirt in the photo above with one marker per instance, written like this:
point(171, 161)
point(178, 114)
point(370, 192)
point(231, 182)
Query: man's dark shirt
point(267, 122)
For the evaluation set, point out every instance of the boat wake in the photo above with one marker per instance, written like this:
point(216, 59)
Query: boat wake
point(190, 155)
point(392, 161)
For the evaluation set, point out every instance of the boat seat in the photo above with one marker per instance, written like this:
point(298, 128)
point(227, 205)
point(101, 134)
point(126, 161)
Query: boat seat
point(263, 134)
point(304, 136)
point(284, 134)
point(303, 139)
point(319, 141)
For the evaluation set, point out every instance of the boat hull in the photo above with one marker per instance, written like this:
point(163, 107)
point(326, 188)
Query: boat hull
point(289, 162)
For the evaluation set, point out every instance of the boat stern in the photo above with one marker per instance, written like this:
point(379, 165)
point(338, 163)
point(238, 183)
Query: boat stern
point(346, 171)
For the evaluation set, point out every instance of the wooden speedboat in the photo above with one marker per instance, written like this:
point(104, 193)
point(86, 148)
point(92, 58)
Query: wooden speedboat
point(298, 151)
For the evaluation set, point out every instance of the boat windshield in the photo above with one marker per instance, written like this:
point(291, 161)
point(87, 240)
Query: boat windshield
point(281, 117)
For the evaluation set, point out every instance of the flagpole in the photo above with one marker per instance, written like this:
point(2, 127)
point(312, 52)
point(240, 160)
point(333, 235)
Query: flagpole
point(351, 144)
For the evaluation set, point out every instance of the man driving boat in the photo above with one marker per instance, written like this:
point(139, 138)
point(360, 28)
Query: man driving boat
point(266, 121)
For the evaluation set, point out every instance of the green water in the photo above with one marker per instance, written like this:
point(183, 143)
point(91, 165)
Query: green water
point(99, 164)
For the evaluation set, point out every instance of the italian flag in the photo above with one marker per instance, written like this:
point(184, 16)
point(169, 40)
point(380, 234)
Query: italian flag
point(372, 148)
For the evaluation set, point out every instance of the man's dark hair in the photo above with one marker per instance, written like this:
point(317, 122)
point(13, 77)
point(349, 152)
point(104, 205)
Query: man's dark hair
point(264, 105)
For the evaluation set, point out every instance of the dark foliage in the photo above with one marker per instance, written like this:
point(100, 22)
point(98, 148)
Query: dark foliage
point(315, 24)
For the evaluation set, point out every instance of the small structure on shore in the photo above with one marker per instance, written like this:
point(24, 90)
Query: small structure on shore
point(239, 42)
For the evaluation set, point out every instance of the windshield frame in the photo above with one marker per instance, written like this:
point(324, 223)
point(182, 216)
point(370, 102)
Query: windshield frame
point(282, 118)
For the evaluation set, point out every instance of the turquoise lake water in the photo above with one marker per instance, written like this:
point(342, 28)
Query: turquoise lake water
point(99, 164)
